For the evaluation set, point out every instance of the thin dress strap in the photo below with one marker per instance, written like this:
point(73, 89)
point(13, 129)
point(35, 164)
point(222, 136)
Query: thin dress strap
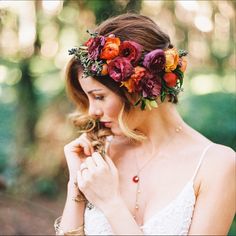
point(200, 161)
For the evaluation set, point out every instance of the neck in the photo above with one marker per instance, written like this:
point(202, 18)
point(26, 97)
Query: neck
point(159, 126)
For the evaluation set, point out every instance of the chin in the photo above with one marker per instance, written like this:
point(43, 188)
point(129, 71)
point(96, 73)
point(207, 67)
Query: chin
point(116, 131)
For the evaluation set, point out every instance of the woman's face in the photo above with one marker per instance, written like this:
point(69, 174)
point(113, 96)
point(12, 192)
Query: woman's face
point(104, 104)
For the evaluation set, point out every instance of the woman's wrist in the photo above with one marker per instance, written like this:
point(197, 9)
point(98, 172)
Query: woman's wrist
point(73, 192)
point(112, 206)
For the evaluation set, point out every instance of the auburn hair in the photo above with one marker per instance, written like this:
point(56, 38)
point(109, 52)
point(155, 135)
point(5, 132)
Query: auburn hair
point(129, 26)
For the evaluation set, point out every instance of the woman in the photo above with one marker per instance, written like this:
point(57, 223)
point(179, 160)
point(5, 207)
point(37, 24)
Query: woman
point(157, 175)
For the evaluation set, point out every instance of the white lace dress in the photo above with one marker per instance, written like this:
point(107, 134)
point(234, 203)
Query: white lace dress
point(174, 219)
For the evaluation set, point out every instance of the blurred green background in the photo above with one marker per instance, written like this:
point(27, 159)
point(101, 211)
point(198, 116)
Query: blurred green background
point(34, 40)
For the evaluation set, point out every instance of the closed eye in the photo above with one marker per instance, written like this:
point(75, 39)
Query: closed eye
point(99, 97)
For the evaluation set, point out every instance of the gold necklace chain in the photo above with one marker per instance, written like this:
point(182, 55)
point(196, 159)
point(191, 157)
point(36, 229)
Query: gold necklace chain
point(136, 178)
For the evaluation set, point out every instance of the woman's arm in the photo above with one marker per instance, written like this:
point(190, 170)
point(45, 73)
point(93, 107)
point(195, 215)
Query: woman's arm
point(215, 206)
point(73, 214)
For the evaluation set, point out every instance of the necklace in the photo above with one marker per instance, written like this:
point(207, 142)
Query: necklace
point(136, 178)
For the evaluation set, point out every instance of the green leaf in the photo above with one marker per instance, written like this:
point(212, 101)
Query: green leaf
point(179, 73)
point(182, 52)
point(163, 96)
point(136, 103)
point(148, 104)
point(143, 104)
point(153, 103)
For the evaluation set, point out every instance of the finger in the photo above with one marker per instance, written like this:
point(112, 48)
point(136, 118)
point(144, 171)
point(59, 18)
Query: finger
point(84, 171)
point(90, 164)
point(88, 142)
point(98, 159)
point(81, 145)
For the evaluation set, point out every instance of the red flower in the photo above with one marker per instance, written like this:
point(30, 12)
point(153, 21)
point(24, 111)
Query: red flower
point(131, 50)
point(170, 79)
point(120, 69)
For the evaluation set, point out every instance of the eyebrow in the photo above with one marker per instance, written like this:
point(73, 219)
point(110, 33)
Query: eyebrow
point(94, 90)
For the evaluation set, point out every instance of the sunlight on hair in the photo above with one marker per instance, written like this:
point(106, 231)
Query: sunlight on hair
point(132, 135)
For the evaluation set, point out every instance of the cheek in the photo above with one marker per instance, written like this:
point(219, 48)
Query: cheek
point(113, 109)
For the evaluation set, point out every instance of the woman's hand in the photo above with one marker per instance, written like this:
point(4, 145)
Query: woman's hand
point(98, 180)
point(75, 152)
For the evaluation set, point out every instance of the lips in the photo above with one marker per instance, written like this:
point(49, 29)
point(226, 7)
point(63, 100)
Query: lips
point(106, 124)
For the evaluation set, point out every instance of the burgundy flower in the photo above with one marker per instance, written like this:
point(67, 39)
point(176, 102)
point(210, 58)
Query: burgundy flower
point(95, 46)
point(120, 69)
point(150, 85)
point(155, 61)
point(131, 50)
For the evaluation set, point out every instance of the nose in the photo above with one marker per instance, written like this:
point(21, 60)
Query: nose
point(95, 111)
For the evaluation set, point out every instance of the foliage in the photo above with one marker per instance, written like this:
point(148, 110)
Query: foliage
point(111, 8)
point(213, 115)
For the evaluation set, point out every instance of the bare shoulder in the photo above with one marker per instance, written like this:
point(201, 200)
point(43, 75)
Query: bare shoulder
point(221, 156)
point(220, 164)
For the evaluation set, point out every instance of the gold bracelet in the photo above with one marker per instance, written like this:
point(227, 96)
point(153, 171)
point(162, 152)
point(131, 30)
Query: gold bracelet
point(78, 231)
point(59, 231)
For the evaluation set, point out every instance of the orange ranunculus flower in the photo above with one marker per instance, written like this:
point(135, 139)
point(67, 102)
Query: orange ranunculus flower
point(110, 49)
point(134, 79)
point(171, 79)
point(183, 63)
point(172, 59)
point(104, 69)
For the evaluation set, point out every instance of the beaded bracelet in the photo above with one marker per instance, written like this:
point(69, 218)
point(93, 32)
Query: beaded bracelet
point(59, 231)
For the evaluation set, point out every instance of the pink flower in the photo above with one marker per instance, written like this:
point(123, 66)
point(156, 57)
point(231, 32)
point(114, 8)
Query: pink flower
point(120, 69)
point(155, 61)
point(131, 50)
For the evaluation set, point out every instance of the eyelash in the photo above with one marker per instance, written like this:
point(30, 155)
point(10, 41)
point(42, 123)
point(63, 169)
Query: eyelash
point(99, 98)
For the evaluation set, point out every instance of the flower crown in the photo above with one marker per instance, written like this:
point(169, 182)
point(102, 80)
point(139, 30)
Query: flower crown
point(156, 73)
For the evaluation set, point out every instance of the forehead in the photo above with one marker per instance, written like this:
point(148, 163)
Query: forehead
point(89, 83)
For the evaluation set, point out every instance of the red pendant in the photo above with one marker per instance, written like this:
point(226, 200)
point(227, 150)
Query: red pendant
point(135, 179)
